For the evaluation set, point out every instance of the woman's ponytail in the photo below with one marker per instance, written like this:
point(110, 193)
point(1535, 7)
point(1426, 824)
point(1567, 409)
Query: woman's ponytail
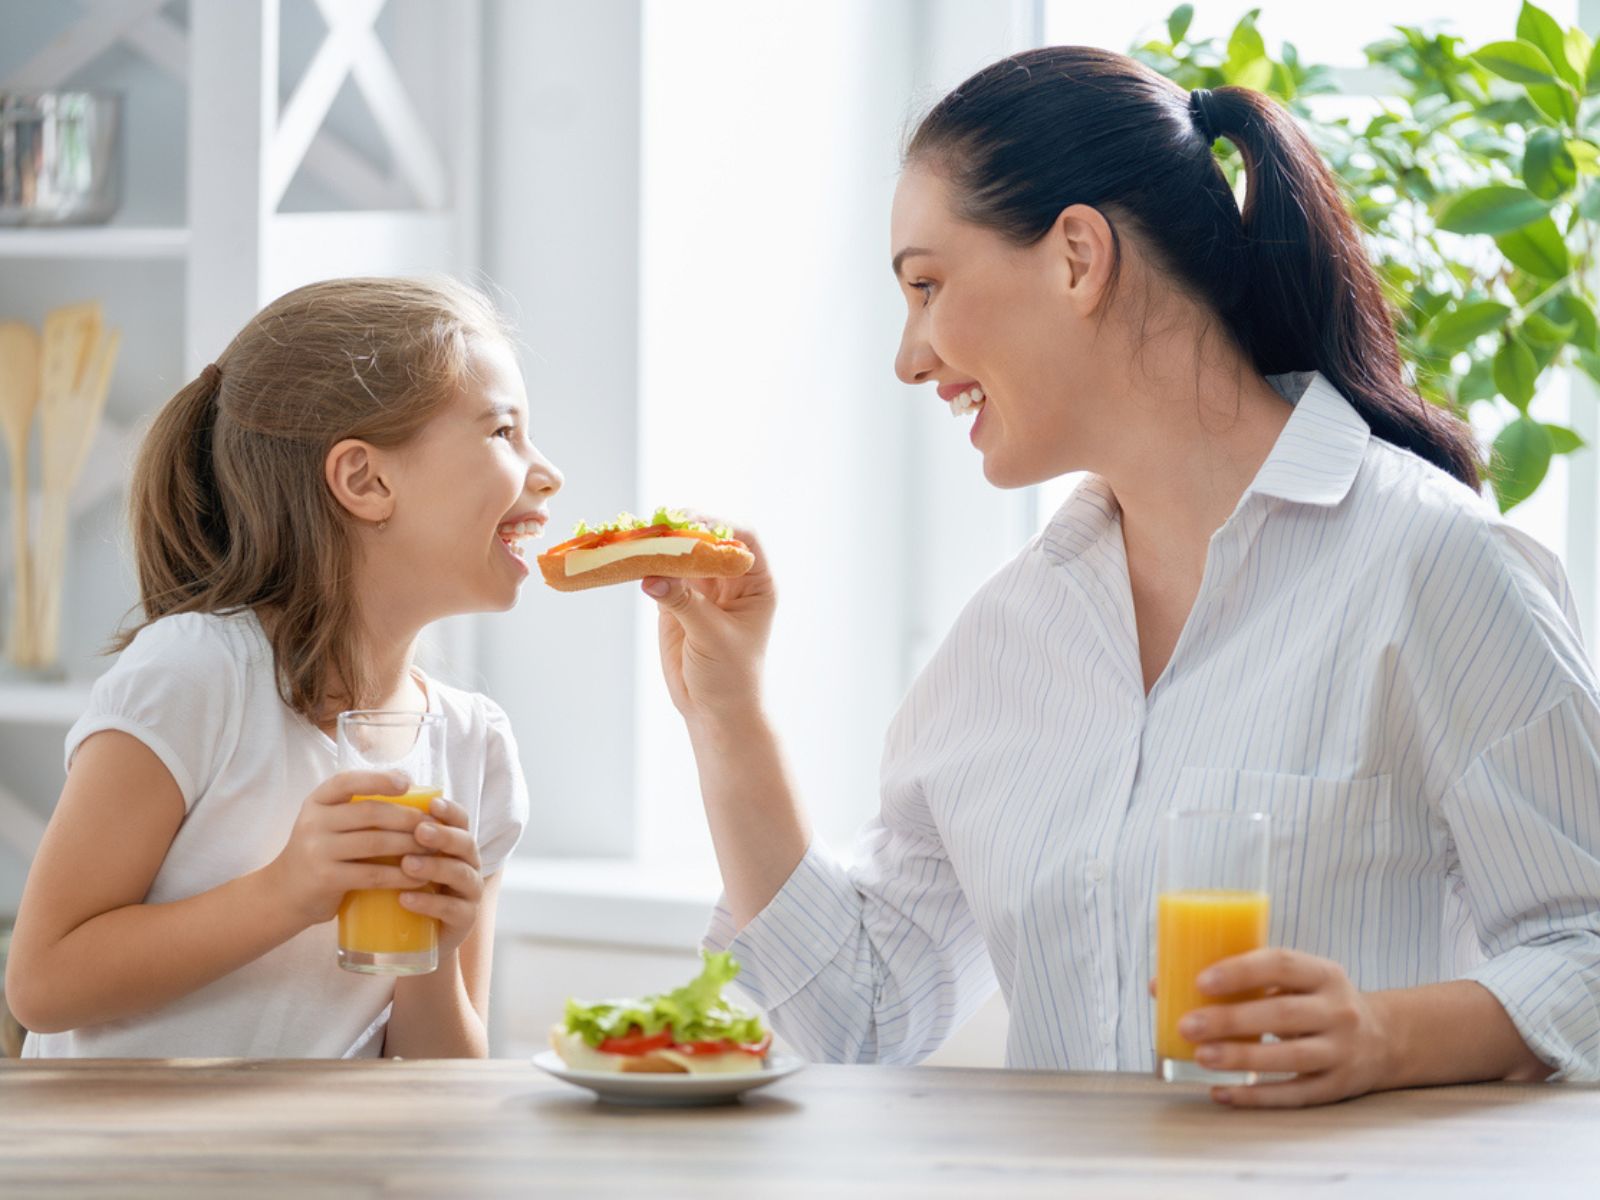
point(1040, 131)
point(1307, 296)
point(179, 524)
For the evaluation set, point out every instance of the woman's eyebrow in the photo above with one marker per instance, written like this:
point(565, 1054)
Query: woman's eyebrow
point(908, 252)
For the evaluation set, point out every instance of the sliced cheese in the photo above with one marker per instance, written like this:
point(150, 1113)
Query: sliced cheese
point(579, 561)
point(733, 1063)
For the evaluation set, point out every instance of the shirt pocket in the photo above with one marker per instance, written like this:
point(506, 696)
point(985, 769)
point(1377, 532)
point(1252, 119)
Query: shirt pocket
point(1332, 845)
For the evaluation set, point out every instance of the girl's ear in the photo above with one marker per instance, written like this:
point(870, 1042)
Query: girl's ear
point(355, 474)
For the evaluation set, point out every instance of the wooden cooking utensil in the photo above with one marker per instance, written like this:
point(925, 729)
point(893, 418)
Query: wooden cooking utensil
point(74, 381)
point(19, 398)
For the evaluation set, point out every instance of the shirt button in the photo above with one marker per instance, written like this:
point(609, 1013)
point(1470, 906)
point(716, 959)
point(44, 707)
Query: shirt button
point(1095, 871)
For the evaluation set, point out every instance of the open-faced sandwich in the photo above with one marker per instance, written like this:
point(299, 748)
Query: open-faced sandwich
point(630, 547)
point(692, 1030)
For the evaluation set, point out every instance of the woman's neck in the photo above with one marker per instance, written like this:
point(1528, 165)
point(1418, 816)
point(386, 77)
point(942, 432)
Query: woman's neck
point(1195, 438)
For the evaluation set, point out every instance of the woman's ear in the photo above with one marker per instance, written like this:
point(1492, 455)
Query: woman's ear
point(1086, 247)
point(355, 474)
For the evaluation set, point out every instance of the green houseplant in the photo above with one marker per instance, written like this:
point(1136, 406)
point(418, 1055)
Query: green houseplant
point(1477, 179)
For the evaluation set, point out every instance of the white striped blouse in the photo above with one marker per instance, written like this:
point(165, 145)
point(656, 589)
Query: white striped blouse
point(1374, 659)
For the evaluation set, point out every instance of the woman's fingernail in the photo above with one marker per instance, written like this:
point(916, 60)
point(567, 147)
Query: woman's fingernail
point(1222, 1096)
point(1206, 980)
point(1190, 1026)
point(656, 588)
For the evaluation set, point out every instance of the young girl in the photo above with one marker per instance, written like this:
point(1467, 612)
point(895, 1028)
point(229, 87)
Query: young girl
point(354, 466)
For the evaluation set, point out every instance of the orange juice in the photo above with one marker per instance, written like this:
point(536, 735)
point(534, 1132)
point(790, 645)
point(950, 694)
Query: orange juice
point(372, 921)
point(1193, 930)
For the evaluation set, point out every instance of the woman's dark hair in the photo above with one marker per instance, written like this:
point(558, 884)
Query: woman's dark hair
point(1288, 278)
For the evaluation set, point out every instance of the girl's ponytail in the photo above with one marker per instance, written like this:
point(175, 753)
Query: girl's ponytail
point(180, 526)
point(1307, 296)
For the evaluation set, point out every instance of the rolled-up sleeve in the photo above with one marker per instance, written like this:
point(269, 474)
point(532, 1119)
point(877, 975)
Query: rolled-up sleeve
point(1525, 822)
point(877, 962)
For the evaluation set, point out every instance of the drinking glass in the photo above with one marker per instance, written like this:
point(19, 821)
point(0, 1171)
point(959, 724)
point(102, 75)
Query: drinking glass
point(377, 936)
point(1212, 904)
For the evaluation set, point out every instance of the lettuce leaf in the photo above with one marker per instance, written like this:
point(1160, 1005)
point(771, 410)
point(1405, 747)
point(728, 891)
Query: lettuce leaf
point(695, 1012)
point(672, 518)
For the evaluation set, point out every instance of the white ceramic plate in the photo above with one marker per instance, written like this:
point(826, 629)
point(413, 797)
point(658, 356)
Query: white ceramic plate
point(669, 1090)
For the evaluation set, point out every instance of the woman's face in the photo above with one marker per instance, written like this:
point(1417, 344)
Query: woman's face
point(1015, 323)
point(469, 488)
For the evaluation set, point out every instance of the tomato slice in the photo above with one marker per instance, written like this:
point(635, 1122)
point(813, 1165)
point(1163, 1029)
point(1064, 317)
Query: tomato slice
point(724, 1046)
point(593, 541)
point(637, 1042)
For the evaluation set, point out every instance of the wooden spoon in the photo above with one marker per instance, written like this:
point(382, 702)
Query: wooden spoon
point(74, 382)
point(19, 398)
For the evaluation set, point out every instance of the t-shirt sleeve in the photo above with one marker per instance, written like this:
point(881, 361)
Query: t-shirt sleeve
point(176, 689)
point(503, 799)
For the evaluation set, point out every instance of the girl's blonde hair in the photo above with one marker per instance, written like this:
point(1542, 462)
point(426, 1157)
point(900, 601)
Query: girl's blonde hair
point(230, 506)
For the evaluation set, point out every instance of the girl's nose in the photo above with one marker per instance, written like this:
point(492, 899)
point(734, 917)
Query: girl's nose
point(544, 477)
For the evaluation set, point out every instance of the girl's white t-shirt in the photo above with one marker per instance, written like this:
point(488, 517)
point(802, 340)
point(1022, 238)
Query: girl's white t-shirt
point(201, 692)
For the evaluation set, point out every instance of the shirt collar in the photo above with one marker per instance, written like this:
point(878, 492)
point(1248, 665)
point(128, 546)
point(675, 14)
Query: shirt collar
point(1314, 461)
point(1319, 452)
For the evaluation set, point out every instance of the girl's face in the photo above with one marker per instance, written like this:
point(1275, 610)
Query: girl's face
point(466, 492)
point(1009, 327)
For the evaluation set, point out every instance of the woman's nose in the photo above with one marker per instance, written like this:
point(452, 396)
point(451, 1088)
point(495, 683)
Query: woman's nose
point(916, 361)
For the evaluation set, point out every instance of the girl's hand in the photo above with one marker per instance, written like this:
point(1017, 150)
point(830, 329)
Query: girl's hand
point(451, 866)
point(1334, 1040)
point(323, 858)
point(714, 637)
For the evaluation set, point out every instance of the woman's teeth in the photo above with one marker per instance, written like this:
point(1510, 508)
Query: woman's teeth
point(968, 401)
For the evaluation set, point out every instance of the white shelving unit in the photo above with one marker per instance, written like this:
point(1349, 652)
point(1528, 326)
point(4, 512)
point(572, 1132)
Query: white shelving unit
point(405, 201)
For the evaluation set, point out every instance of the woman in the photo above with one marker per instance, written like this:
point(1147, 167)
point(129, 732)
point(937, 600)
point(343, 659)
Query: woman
point(1277, 591)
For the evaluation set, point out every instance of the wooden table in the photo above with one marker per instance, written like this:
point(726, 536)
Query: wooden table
point(458, 1129)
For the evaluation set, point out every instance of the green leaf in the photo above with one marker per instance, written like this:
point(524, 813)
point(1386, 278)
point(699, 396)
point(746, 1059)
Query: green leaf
point(1519, 461)
point(1461, 326)
point(1585, 154)
point(1538, 249)
point(1178, 23)
point(1548, 167)
point(1498, 209)
point(1515, 372)
point(1575, 311)
point(1580, 48)
point(1554, 101)
point(1590, 362)
point(1247, 64)
point(1477, 384)
point(1563, 440)
point(695, 1012)
point(1516, 61)
point(1539, 28)
point(1591, 74)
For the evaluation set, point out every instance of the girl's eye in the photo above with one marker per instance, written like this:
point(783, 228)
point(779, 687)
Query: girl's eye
point(505, 431)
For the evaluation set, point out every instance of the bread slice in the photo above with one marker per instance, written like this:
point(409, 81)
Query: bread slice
point(581, 1056)
point(708, 560)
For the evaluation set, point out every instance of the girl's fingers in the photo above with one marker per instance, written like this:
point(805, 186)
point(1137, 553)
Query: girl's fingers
point(339, 788)
point(452, 910)
point(447, 872)
point(358, 876)
point(371, 814)
point(371, 843)
point(449, 812)
point(444, 839)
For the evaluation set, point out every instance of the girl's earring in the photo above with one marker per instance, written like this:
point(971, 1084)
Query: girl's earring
point(383, 524)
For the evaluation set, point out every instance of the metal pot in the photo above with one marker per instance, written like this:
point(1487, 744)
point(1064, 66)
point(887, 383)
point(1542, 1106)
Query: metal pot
point(60, 157)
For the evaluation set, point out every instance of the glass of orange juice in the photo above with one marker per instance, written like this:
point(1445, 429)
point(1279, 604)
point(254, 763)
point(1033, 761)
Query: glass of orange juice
point(1213, 904)
point(377, 936)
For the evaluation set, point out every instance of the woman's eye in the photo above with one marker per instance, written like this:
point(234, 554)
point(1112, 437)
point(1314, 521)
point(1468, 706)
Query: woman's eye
point(925, 288)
